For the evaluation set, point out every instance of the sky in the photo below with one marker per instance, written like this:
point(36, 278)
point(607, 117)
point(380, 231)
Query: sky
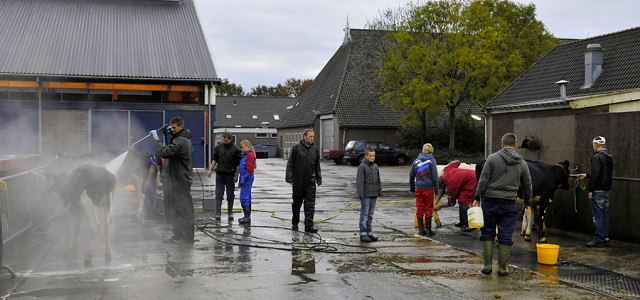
point(266, 42)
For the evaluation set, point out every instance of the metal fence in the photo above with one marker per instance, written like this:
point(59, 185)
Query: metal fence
point(24, 204)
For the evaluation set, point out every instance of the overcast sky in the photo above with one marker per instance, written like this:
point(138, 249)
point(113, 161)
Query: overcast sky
point(267, 42)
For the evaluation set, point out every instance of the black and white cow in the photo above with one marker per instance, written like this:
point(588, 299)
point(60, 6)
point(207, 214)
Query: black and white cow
point(545, 180)
point(87, 190)
point(134, 169)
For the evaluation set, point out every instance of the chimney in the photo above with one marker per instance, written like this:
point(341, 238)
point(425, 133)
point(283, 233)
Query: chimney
point(592, 64)
point(563, 88)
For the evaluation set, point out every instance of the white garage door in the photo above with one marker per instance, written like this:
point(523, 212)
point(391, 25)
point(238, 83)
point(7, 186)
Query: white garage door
point(327, 134)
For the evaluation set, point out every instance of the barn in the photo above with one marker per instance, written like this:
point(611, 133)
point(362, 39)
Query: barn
point(577, 91)
point(79, 76)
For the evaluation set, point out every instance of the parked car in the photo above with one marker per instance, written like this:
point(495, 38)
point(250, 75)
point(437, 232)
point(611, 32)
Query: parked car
point(354, 152)
point(335, 155)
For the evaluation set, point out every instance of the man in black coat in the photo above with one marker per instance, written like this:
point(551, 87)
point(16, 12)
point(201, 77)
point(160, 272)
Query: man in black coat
point(600, 181)
point(180, 175)
point(226, 159)
point(303, 173)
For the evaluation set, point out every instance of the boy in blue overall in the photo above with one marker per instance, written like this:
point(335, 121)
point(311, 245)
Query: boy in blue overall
point(245, 182)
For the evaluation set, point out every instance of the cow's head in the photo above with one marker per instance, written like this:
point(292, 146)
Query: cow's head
point(563, 179)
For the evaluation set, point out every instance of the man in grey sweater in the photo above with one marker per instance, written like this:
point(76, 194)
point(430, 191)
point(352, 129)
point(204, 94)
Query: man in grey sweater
point(503, 173)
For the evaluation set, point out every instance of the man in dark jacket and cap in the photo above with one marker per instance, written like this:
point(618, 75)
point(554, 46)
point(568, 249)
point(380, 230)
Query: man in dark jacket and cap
point(180, 175)
point(600, 180)
point(503, 173)
point(303, 173)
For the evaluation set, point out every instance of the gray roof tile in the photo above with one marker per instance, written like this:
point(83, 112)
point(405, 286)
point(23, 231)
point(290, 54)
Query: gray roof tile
point(245, 107)
point(347, 86)
point(104, 38)
point(621, 64)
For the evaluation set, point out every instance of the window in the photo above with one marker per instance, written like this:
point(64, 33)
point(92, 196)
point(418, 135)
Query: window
point(262, 135)
point(276, 117)
point(255, 117)
point(384, 146)
point(228, 116)
point(274, 135)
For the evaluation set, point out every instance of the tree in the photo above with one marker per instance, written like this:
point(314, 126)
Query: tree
point(291, 88)
point(229, 89)
point(451, 52)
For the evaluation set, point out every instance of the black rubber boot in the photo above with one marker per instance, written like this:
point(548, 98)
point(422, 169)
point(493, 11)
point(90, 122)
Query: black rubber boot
point(427, 226)
point(230, 209)
point(246, 209)
point(421, 230)
point(487, 254)
point(218, 209)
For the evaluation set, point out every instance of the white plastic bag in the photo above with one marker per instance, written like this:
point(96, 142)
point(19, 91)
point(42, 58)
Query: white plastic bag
point(475, 217)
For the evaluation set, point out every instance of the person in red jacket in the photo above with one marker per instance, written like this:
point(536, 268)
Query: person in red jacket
point(245, 180)
point(461, 184)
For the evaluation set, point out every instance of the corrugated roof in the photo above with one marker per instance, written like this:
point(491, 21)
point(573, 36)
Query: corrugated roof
point(104, 38)
point(264, 108)
point(621, 66)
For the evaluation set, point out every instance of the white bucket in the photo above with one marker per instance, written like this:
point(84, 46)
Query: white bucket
point(475, 217)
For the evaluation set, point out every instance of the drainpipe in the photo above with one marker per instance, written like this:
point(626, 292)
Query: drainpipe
point(39, 116)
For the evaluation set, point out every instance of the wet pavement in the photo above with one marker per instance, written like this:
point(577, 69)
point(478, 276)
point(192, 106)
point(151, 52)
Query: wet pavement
point(268, 260)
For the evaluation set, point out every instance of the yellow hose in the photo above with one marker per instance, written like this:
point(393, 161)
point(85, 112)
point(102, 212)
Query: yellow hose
point(273, 213)
point(3, 185)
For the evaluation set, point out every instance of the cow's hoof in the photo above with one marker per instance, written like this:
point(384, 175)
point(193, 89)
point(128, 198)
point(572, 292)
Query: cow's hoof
point(527, 238)
point(87, 261)
point(543, 239)
point(522, 233)
point(107, 258)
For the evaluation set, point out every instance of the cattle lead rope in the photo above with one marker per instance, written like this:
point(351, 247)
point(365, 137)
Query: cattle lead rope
point(579, 183)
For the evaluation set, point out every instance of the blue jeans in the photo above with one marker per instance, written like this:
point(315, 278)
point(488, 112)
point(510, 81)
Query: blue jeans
point(502, 215)
point(462, 210)
point(600, 210)
point(367, 206)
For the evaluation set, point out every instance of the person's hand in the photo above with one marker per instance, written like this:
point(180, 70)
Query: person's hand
point(168, 130)
point(582, 176)
point(526, 210)
point(437, 207)
point(475, 203)
point(154, 133)
point(235, 178)
point(209, 174)
point(590, 195)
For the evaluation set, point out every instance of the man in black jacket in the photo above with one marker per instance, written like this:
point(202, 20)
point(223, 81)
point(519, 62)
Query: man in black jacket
point(303, 173)
point(180, 175)
point(226, 158)
point(600, 178)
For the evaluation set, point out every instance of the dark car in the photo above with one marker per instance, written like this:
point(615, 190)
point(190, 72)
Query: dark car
point(354, 153)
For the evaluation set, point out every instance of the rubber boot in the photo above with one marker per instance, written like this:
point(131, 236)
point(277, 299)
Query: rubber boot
point(421, 230)
point(246, 209)
point(427, 226)
point(230, 209)
point(487, 254)
point(218, 209)
point(503, 258)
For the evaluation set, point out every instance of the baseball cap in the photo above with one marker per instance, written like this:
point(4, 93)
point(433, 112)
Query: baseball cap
point(599, 140)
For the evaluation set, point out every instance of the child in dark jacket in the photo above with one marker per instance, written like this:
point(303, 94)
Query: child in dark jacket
point(424, 175)
point(369, 188)
point(245, 180)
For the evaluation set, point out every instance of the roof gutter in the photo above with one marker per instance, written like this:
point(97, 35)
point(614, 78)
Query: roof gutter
point(202, 80)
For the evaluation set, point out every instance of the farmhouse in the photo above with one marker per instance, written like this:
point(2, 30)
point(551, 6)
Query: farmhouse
point(577, 91)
